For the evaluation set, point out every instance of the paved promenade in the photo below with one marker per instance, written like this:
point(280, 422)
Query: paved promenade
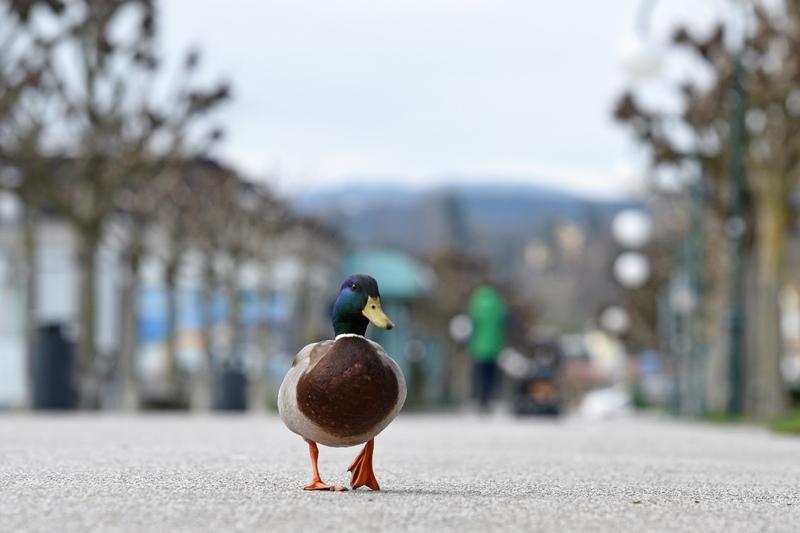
point(244, 473)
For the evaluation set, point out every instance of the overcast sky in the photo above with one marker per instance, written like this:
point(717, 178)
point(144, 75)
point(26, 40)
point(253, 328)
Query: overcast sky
point(415, 91)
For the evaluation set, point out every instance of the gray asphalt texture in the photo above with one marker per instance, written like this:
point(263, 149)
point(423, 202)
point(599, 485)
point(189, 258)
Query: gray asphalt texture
point(438, 473)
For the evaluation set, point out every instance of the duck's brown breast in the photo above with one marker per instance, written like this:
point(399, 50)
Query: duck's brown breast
point(349, 390)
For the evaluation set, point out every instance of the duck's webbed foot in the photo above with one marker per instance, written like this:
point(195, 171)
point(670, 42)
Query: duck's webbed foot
point(319, 485)
point(316, 482)
point(361, 469)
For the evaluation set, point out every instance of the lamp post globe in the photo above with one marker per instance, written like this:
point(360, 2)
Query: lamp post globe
point(641, 59)
point(10, 208)
point(632, 228)
point(460, 328)
point(615, 319)
point(632, 270)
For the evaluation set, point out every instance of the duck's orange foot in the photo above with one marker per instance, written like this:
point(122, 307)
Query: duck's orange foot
point(361, 469)
point(316, 482)
point(319, 485)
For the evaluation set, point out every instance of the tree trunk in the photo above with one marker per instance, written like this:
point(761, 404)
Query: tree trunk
point(234, 318)
point(88, 242)
point(306, 310)
point(768, 390)
point(171, 287)
point(258, 385)
point(202, 385)
point(129, 343)
point(715, 303)
point(30, 246)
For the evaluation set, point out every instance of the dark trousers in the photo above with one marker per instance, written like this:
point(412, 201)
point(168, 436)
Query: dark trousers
point(486, 375)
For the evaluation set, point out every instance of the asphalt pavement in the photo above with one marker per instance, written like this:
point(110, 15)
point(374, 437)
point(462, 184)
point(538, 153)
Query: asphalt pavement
point(113, 473)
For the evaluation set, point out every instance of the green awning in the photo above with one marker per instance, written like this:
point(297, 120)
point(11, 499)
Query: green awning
point(399, 275)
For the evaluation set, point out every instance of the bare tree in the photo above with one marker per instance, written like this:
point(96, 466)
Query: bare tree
point(23, 58)
point(233, 223)
point(118, 134)
point(159, 200)
point(770, 60)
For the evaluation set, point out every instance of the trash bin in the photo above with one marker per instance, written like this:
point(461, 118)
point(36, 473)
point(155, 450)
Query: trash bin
point(231, 391)
point(53, 369)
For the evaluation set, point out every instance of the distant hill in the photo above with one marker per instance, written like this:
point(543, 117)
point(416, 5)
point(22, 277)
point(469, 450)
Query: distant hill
point(482, 218)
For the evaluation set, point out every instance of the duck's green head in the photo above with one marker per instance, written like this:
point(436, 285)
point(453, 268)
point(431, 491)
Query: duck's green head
point(358, 304)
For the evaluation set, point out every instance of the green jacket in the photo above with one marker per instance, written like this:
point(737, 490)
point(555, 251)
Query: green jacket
point(488, 312)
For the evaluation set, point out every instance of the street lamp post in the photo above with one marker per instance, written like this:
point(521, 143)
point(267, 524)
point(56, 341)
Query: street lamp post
point(695, 259)
point(735, 229)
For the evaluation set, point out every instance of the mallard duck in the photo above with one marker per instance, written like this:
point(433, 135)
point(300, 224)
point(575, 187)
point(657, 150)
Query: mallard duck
point(344, 391)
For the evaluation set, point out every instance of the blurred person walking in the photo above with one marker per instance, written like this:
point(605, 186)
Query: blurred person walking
point(488, 312)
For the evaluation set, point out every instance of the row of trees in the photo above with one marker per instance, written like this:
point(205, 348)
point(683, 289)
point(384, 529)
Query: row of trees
point(715, 123)
point(92, 131)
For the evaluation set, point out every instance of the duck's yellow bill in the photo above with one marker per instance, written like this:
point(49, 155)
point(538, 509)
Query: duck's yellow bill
point(375, 314)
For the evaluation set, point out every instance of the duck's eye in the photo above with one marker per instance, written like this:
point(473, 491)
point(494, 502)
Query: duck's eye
point(373, 307)
point(354, 287)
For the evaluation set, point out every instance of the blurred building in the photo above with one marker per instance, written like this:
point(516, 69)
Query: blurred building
point(282, 292)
